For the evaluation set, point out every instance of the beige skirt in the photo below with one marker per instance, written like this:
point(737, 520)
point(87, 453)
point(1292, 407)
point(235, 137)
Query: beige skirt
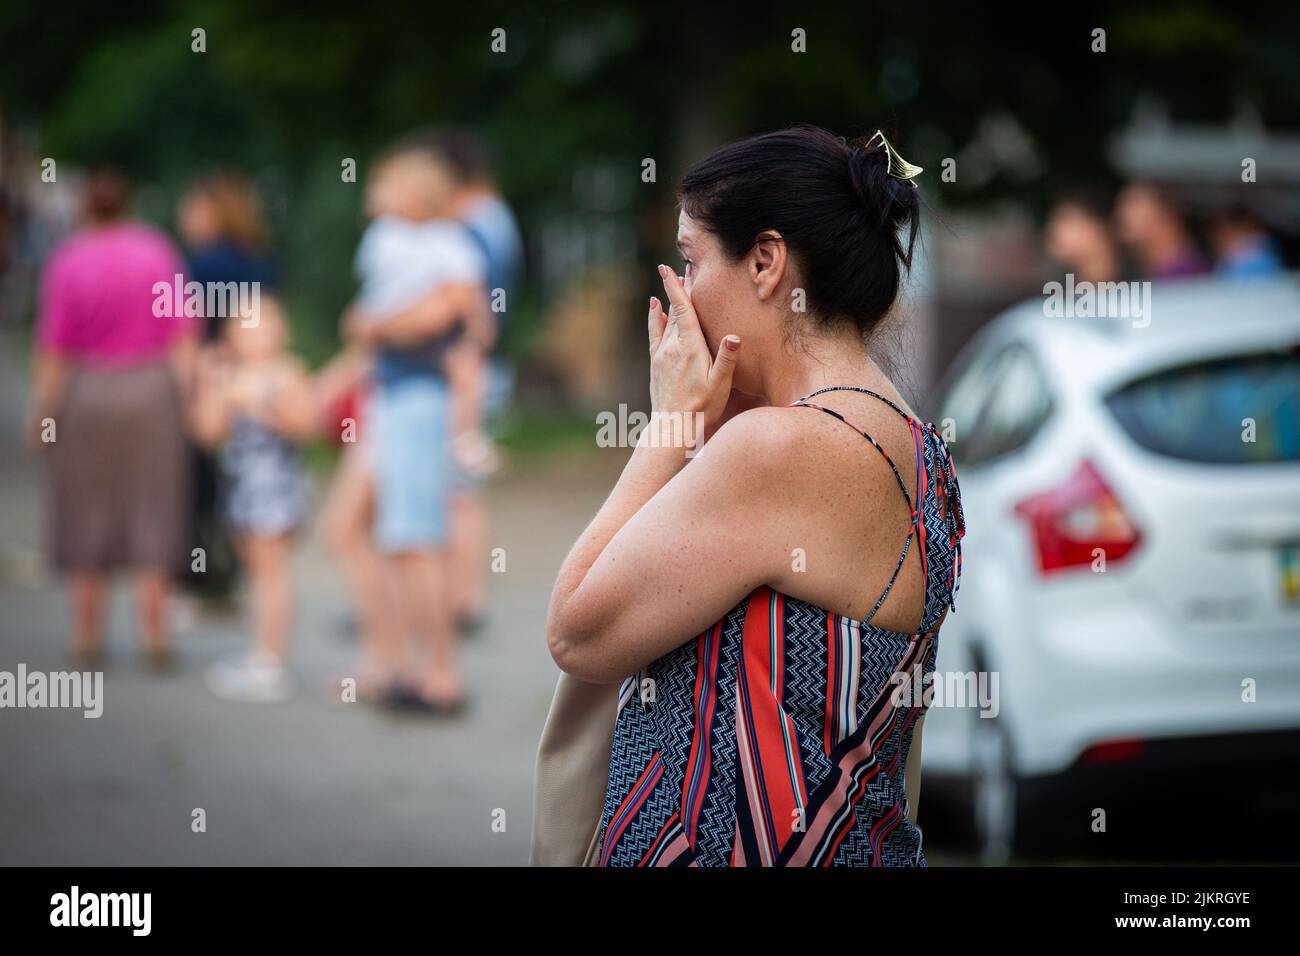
point(118, 471)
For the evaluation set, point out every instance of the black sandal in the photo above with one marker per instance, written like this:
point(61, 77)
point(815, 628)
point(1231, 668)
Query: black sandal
point(405, 699)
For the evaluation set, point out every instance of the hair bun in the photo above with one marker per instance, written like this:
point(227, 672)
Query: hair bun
point(892, 203)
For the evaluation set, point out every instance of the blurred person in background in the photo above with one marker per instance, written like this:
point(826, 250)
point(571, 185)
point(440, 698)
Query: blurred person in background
point(225, 238)
point(413, 256)
point(254, 403)
point(1151, 225)
point(224, 232)
point(1243, 248)
point(493, 227)
point(110, 378)
point(1078, 236)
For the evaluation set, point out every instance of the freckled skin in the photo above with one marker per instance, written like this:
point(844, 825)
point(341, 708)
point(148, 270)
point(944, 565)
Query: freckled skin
point(682, 539)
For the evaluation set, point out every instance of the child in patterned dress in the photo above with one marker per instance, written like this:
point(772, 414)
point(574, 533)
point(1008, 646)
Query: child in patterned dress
point(255, 403)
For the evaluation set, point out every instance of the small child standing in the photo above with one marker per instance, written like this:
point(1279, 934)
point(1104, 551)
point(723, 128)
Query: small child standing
point(255, 403)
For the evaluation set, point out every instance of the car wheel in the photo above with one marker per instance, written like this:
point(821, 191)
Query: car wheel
point(994, 791)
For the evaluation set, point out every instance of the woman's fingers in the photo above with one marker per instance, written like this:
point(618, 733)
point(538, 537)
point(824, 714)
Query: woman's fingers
point(724, 365)
point(657, 322)
point(680, 309)
point(684, 375)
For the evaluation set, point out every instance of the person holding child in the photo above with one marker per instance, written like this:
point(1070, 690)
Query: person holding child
point(422, 298)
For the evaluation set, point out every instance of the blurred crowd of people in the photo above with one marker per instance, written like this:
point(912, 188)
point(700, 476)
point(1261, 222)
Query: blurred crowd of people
point(1146, 234)
point(175, 434)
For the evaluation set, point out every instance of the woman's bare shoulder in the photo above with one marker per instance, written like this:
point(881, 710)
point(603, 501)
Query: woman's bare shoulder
point(802, 454)
point(757, 438)
point(776, 453)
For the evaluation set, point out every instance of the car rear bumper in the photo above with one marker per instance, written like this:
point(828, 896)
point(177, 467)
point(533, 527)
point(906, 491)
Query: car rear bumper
point(1115, 673)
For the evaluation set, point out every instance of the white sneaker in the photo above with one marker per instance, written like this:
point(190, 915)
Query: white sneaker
point(257, 676)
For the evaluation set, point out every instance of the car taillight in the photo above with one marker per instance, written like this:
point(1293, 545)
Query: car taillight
point(1113, 751)
point(1073, 520)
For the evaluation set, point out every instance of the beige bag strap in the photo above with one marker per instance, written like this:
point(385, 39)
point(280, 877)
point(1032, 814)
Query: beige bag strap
point(572, 773)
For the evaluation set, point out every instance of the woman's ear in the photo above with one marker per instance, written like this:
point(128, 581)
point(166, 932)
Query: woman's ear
point(767, 263)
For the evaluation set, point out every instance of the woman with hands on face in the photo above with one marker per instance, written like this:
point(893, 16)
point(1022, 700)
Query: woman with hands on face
point(745, 600)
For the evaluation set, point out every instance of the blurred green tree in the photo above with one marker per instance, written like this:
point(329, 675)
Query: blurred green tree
point(288, 91)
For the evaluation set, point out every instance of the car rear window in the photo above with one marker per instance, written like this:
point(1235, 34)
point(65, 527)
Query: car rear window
point(1241, 410)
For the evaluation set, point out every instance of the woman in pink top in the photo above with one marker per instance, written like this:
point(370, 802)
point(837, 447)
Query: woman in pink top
point(106, 405)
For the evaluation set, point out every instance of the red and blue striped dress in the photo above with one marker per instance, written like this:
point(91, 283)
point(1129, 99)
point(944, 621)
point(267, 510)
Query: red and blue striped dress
point(778, 736)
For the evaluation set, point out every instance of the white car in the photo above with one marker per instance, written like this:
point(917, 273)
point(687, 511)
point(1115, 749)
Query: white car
point(1132, 559)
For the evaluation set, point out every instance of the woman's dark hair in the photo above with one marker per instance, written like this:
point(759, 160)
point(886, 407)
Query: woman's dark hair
point(840, 212)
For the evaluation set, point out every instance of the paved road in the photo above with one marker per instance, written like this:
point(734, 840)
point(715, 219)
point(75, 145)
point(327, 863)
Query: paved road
point(310, 781)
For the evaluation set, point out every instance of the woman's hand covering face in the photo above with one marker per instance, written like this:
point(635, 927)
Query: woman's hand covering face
point(684, 378)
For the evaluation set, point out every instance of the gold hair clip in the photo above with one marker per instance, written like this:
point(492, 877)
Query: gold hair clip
point(899, 168)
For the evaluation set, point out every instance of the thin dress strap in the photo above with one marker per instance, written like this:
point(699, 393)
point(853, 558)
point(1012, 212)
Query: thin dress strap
point(947, 491)
point(856, 388)
point(915, 527)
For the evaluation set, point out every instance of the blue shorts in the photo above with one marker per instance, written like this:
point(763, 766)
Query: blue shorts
point(412, 463)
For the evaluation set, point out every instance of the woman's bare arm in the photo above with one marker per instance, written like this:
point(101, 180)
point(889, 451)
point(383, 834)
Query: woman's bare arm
point(673, 549)
point(667, 553)
point(183, 358)
point(568, 618)
point(49, 376)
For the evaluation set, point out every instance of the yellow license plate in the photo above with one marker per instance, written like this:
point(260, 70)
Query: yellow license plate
point(1290, 560)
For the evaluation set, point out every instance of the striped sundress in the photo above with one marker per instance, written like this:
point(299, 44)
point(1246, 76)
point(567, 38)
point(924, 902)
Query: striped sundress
point(778, 736)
